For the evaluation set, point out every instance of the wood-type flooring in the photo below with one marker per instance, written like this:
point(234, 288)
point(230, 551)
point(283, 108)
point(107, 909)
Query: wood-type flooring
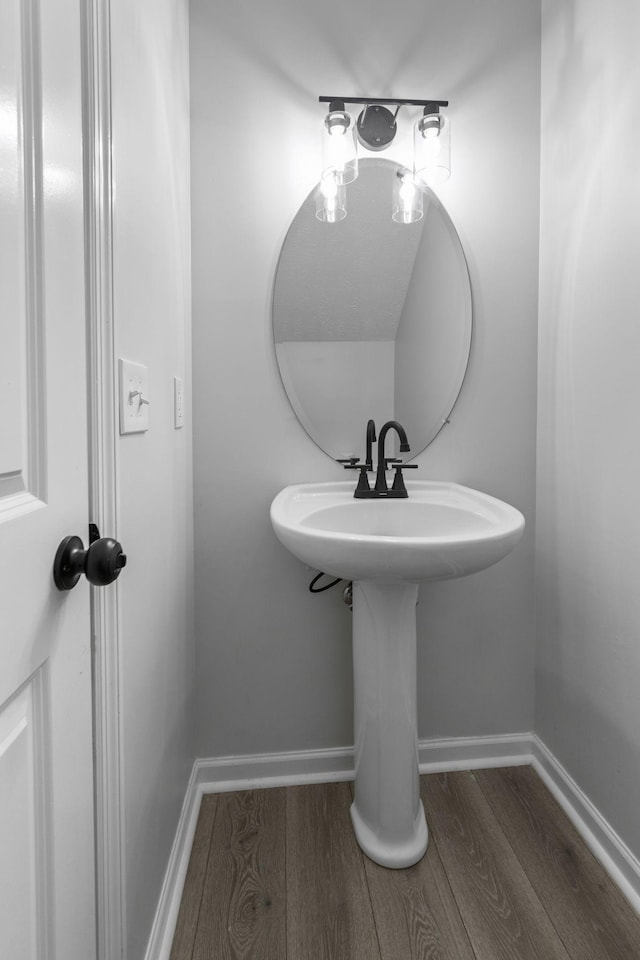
point(277, 874)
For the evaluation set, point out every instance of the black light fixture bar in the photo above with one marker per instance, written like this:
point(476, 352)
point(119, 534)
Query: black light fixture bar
point(385, 100)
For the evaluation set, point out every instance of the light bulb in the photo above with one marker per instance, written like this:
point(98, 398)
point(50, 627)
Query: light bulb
point(407, 190)
point(331, 199)
point(407, 201)
point(329, 187)
point(430, 126)
point(337, 130)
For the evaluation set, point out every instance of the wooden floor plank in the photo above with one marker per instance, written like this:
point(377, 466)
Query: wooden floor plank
point(501, 912)
point(592, 917)
point(243, 909)
point(277, 875)
point(329, 915)
point(186, 924)
point(415, 912)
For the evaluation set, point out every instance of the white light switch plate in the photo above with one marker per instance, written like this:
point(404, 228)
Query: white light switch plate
point(178, 403)
point(134, 397)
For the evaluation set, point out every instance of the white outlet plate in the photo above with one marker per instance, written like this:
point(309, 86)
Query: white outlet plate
point(178, 403)
point(134, 397)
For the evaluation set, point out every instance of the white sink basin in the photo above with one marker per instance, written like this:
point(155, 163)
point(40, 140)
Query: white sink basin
point(387, 547)
point(441, 530)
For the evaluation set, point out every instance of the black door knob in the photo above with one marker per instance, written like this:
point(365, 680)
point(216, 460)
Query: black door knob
point(101, 562)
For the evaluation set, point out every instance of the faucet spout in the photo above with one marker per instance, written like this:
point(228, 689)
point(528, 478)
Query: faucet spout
point(383, 460)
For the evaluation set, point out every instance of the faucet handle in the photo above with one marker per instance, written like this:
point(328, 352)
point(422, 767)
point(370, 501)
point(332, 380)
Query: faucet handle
point(350, 462)
point(363, 490)
point(398, 480)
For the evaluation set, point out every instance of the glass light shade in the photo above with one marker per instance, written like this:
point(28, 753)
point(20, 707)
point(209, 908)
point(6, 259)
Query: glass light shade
point(432, 149)
point(339, 149)
point(331, 199)
point(407, 199)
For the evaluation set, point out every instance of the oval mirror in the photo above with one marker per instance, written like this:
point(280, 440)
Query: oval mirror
point(372, 318)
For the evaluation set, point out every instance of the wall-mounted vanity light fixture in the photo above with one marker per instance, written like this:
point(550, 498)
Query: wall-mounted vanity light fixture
point(375, 130)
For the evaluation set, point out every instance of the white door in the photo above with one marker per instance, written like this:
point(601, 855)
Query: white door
point(46, 785)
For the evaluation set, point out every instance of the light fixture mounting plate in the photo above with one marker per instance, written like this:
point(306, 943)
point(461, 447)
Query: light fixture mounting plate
point(376, 127)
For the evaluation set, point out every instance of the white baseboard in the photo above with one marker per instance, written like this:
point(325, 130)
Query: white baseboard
point(605, 844)
point(164, 923)
point(223, 774)
point(475, 753)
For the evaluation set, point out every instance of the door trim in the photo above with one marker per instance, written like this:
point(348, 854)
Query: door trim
point(103, 463)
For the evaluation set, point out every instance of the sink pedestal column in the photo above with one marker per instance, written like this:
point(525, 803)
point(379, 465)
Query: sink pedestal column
point(387, 813)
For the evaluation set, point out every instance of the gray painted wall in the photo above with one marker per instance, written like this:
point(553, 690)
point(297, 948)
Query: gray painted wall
point(152, 320)
point(588, 536)
point(273, 661)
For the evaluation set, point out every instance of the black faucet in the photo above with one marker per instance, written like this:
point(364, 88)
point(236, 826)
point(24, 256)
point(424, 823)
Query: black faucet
point(398, 489)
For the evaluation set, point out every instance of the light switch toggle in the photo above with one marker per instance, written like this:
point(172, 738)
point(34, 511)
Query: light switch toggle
point(137, 393)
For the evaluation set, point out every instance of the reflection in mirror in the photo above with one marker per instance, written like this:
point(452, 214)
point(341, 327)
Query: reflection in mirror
point(372, 318)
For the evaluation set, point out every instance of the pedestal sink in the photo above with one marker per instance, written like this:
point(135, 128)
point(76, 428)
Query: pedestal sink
point(387, 547)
